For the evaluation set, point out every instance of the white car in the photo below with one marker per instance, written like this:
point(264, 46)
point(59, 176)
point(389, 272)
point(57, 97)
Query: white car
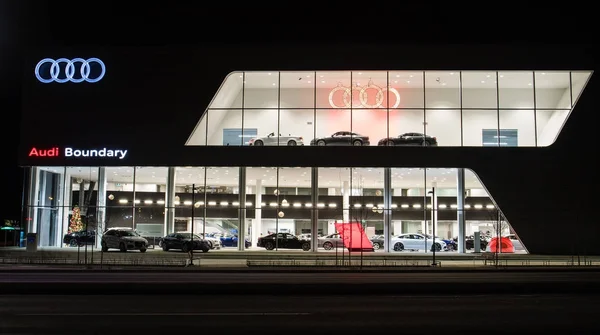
point(214, 242)
point(415, 241)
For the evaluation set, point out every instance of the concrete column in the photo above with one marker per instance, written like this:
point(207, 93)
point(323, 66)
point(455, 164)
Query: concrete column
point(257, 223)
point(170, 202)
point(242, 211)
point(32, 201)
point(101, 220)
point(434, 209)
point(346, 201)
point(460, 208)
point(315, 211)
point(387, 205)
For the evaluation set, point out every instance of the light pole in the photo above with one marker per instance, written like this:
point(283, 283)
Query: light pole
point(433, 209)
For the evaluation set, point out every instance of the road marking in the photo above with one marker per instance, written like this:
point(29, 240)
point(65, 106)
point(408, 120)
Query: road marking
point(167, 314)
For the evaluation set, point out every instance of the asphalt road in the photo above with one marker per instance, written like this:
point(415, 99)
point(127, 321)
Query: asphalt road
point(309, 314)
point(298, 283)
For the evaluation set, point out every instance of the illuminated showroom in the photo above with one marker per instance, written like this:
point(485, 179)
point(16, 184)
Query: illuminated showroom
point(313, 108)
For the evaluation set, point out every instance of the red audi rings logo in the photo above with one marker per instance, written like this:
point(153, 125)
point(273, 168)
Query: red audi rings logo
point(370, 96)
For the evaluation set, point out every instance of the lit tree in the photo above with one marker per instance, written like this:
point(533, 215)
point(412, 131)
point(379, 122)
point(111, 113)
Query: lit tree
point(75, 223)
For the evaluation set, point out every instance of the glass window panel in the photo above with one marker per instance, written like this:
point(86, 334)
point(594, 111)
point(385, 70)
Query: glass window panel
point(371, 89)
point(261, 192)
point(371, 123)
point(521, 124)
point(515, 89)
point(444, 216)
point(297, 89)
point(222, 206)
point(297, 126)
point(474, 124)
point(444, 125)
point(552, 90)
point(578, 81)
point(225, 127)
point(119, 206)
point(549, 123)
point(187, 180)
point(479, 89)
point(333, 127)
point(261, 90)
point(150, 188)
point(410, 88)
point(403, 121)
point(333, 89)
point(261, 127)
point(409, 204)
point(333, 206)
point(200, 133)
point(442, 89)
point(50, 219)
point(229, 94)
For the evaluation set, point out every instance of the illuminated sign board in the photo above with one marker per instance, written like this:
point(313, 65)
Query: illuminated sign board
point(74, 70)
point(83, 153)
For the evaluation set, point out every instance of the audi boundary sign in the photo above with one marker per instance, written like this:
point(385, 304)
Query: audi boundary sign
point(74, 70)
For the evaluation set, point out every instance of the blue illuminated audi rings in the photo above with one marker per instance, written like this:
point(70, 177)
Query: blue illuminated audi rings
point(69, 75)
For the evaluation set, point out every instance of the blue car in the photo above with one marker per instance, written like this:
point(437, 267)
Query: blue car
point(232, 241)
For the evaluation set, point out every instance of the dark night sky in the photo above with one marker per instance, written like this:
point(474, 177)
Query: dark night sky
point(27, 23)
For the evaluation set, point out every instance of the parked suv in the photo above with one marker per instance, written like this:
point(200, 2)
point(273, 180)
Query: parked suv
point(123, 239)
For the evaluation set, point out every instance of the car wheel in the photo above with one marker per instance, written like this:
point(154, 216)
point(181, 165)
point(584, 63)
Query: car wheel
point(165, 247)
point(143, 249)
point(291, 143)
point(104, 247)
point(398, 246)
point(306, 246)
point(73, 243)
point(327, 245)
point(376, 246)
point(357, 143)
point(259, 143)
point(425, 144)
point(390, 143)
point(269, 246)
point(321, 143)
point(122, 247)
point(205, 250)
point(437, 247)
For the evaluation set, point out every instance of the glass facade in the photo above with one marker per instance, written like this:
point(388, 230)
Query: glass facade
point(392, 206)
point(391, 108)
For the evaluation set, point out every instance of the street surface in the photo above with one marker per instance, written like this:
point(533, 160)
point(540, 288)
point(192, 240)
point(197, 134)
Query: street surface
point(310, 314)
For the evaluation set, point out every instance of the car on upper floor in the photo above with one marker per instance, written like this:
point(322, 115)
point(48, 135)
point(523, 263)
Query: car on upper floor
point(414, 139)
point(271, 139)
point(283, 241)
point(342, 138)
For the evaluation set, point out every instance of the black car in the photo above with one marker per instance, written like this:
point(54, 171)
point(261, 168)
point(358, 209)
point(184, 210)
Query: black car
point(377, 241)
point(80, 238)
point(342, 138)
point(182, 241)
point(409, 139)
point(470, 243)
point(284, 241)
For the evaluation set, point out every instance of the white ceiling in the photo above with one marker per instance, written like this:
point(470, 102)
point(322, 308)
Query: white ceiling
point(401, 79)
point(288, 177)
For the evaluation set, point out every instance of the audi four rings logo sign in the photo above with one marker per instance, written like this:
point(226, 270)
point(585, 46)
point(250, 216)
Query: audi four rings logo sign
point(74, 70)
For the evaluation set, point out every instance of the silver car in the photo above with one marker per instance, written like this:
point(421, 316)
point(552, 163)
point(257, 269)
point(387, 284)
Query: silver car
point(123, 239)
point(271, 139)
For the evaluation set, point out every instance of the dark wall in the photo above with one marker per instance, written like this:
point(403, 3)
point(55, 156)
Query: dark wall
point(151, 99)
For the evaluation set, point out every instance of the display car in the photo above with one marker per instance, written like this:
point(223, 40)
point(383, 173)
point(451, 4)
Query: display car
point(282, 241)
point(470, 242)
point(377, 241)
point(232, 241)
point(342, 138)
point(215, 243)
point(123, 239)
point(80, 238)
point(416, 241)
point(184, 242)
point(331, 241)
point(271, 139)
point(409, 139)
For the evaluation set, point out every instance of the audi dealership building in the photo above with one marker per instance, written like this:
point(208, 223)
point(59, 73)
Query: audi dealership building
point(240, 143)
